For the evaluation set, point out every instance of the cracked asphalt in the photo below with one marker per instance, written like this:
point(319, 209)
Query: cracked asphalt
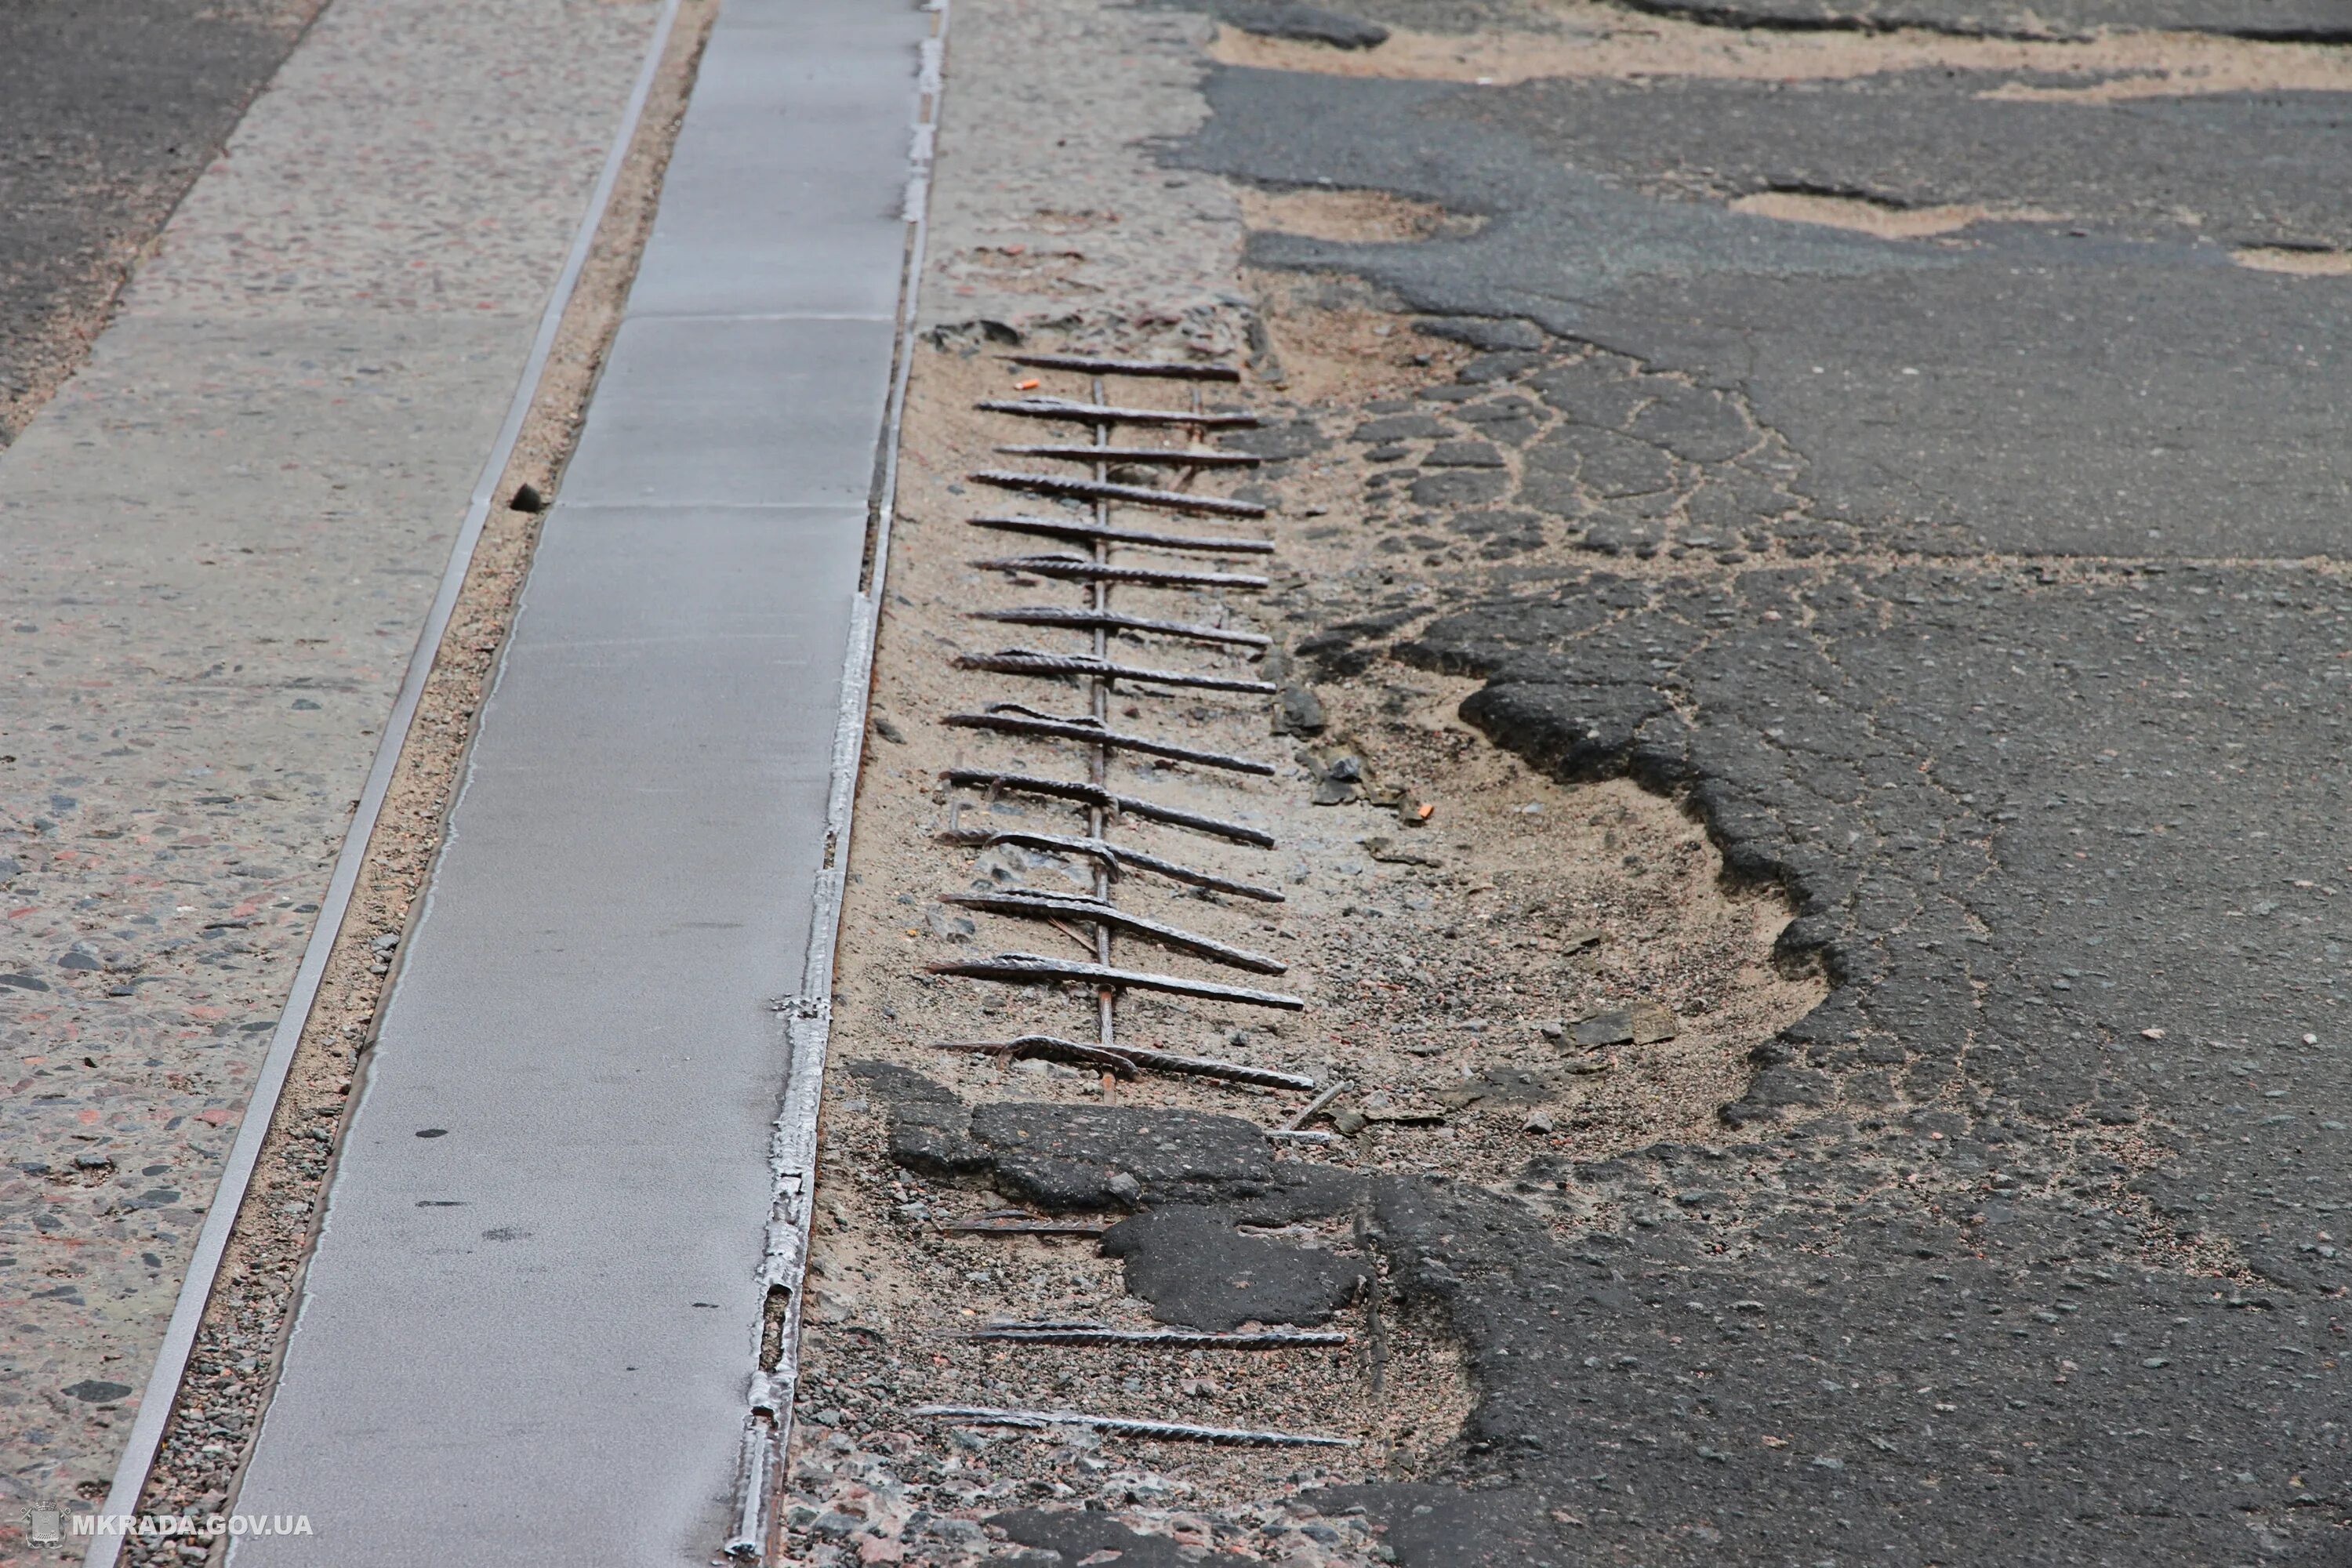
point(1984, 590)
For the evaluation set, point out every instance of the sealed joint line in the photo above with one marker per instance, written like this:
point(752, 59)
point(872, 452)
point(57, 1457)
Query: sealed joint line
point(1087, 364)
point(1141, 457)
point(1091, 620)
point(1054, 1048)
point(1085, 1333)
point(1094, 534)
point(1077, 907)
point(1029, 661)
point(1076, 413)
point(1124, 495)
point(1033, 969)
point(1129, 1427)
point(1094, 734)
point(1115, 858)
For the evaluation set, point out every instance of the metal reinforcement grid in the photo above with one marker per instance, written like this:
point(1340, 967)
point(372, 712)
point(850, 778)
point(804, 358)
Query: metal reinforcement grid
point(1081, 510)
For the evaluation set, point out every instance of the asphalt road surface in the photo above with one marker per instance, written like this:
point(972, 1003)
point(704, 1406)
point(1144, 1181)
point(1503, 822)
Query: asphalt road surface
point(1988, 593)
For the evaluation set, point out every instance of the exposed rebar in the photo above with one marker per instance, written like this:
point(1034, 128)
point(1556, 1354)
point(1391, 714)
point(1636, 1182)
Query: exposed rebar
point(1115, 493)
point(1096, 533)
point(1085, 1333)
point(1030, 661)
point(1033, 969)
point(989, 1415)
point(1055, 1048)
point(1095, 794)
point(1105, 414)
point(1026, 905)
point(1118, 857)
point(1143, 457)
point(1092, 734)
point(1007, 1225)
point(1085, 620)
point(1078, 569)
point(1088, 364)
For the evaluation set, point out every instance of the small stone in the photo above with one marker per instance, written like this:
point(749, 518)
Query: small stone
point(1699, 1198)
point(888, 730)
point(2152, 1363)
point(1538, 1122)
point(528, 498)
point(1298, 711)
point(1348, 1122)
point(94, 1162)
point(1123, 1186)
point(1828, 1462)
point(1643, 1024)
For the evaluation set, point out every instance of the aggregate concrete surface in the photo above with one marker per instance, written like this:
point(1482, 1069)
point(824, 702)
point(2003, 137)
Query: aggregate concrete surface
point(221, 538)
point(1931, 473)
point(1984, 591)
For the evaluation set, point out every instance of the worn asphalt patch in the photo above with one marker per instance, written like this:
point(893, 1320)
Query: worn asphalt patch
point(108, 111)
point(1949, 595)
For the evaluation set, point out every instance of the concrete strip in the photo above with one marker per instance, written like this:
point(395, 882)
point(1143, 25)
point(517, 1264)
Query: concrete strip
point(535, 1299)
point(218, 545)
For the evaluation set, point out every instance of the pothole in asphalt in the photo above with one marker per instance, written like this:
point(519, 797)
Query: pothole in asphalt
point(1353, 216)
point(1886, 220)
point(2296, 261)
point(1507, 970)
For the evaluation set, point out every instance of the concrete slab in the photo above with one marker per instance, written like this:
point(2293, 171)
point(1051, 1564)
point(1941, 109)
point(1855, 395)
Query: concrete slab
point(537, 1261)
point(737, 232)
point(537, 1298)
point(713, 410)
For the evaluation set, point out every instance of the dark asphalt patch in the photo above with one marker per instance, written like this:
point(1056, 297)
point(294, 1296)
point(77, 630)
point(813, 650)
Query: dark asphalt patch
point(1197, 1268)
point(109, 109)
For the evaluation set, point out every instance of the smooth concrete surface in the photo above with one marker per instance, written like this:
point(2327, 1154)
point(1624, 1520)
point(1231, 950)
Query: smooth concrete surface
point(531, 1323)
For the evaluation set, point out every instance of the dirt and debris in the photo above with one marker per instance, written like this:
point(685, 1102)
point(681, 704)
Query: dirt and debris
point(1441, 907)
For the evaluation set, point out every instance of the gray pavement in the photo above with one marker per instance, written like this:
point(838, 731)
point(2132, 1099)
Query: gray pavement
point(1985, 592)
point(217, 547)
point(533, 1317)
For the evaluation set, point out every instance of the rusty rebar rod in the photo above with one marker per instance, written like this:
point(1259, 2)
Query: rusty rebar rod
point(1106, 414)
point(1088, 620)
point(1025, 905)
point(1118, 857)
point(1031, 969)
point(1030, 661)
point(1143, 457)
point(1055, 1048)
point(1078, 569)
point(1023, 1224)
point(1095, 794)
point(1089, 1333)
point(1117, 494)
point(1130, 1426)
point(1088, 364)
point(1092, 734)
point(1095, 533)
